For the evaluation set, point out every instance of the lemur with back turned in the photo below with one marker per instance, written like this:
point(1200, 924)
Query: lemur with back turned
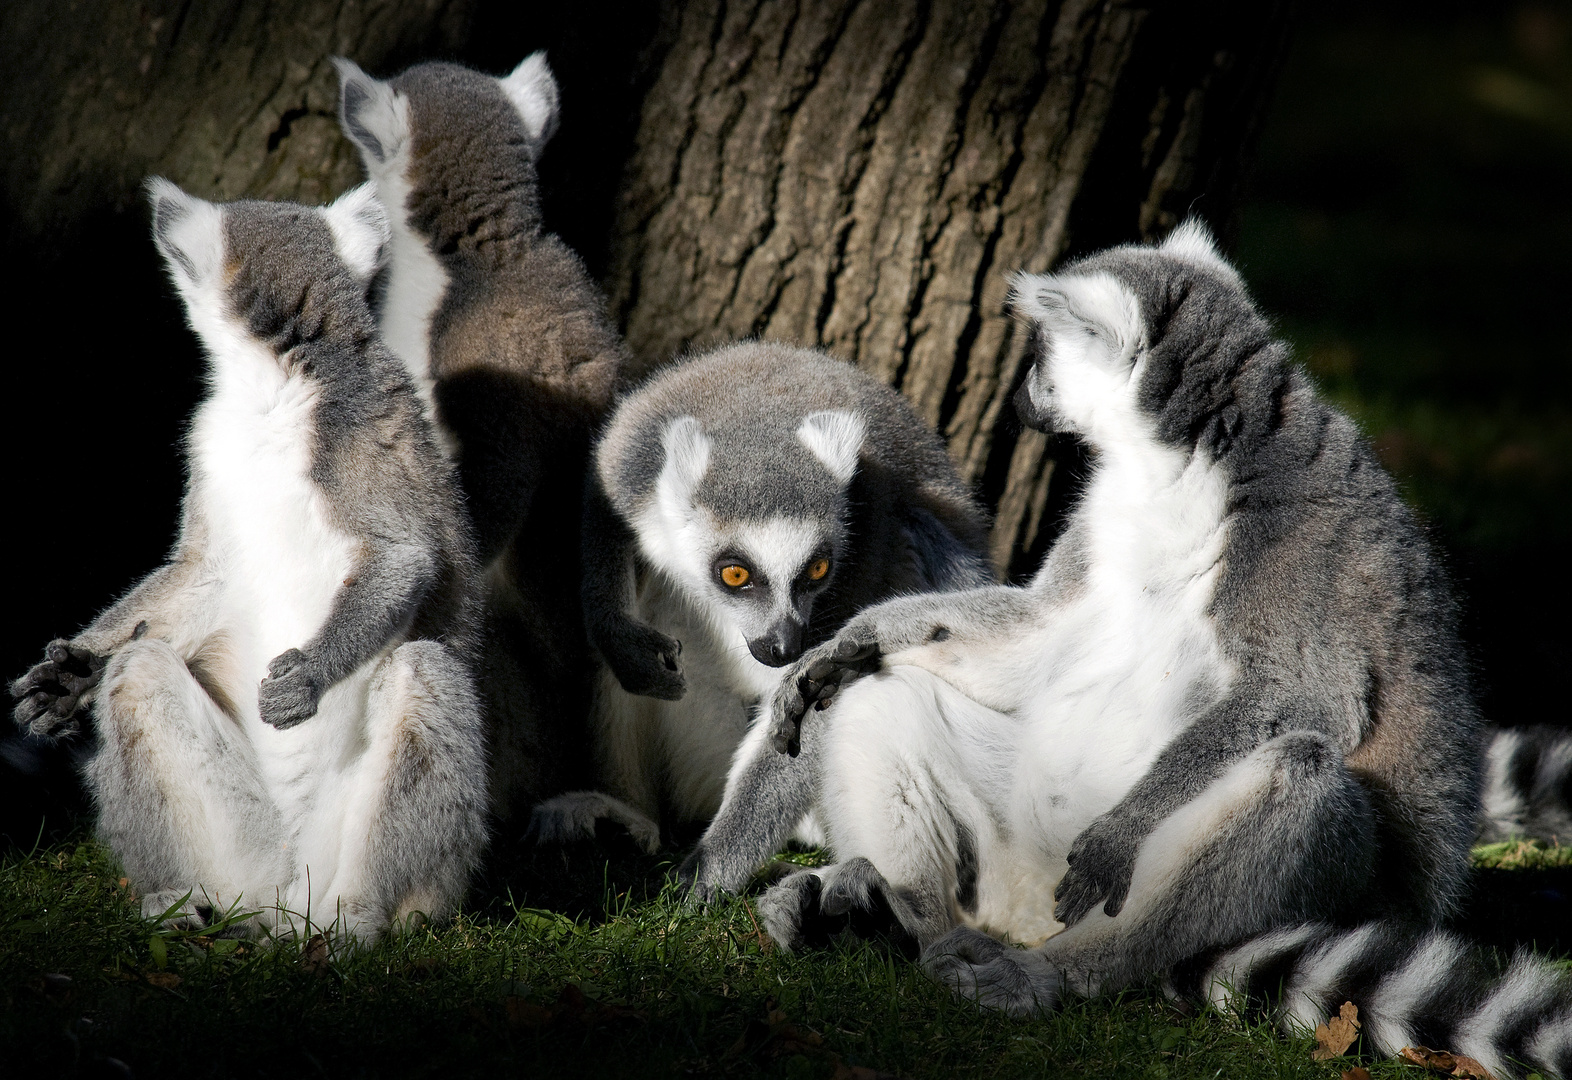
point(285, 713)
point(500, 326)
point(1226, 734)
point(744, 504)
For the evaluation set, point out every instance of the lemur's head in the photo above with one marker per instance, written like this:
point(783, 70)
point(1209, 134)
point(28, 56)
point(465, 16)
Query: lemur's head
point(440, 141)
point(272, 275)
point(1139, 343)
point(751, 520)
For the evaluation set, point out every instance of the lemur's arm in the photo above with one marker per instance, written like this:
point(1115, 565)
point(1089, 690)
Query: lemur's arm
point(1102, 859)
point(375, 604)
point(51, 694)
point(956, 635)
point(643, 659)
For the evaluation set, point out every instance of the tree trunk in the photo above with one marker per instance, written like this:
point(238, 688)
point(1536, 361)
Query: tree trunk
point(866, 176)
point(228, 100)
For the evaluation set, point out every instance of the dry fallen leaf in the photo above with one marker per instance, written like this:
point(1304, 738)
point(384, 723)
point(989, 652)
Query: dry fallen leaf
point(1358, 1072)
point(1442, 1062)
point(314, 957)
point(164, 980)
point(1333, 1038)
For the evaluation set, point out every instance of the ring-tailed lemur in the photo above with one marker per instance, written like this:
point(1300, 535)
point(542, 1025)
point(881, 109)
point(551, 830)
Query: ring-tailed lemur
point(501, 327)
point(748, 502)
point(1232, 703)
point(285, 715)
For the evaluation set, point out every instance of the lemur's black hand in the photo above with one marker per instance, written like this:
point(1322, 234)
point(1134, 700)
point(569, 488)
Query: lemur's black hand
point(49, 695)
point(1102, 860)
point(816, 679)
point(644, 661)
point(291, 692)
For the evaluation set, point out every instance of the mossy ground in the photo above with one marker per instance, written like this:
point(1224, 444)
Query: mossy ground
point(592, 966)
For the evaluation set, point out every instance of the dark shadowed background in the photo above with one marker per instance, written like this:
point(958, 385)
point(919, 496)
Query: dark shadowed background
point(1406, 221)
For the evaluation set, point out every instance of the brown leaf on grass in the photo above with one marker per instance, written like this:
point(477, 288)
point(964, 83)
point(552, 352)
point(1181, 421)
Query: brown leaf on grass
point(1442, 1062)
point(844, 1071)
point(765, 941)
point(1358, 1072)
point(522, 1013)
point(1333, 1038)
point(164, 980)
point(572, 1007)
point(314, 957)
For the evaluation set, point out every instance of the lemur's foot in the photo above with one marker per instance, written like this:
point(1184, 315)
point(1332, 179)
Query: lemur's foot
point(291, 692)
point(1102, 862)
point(995, 975)
point(48, 696)
point(571, 817)
point(816, 679)
point(810, 907)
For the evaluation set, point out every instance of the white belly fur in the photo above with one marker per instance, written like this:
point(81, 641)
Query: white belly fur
point(281, 561)
point(1111, 675)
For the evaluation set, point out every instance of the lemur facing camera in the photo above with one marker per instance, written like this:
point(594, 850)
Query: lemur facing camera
point(284, 711)
point(1226, 733)
point(501, 328)
point(744, 504)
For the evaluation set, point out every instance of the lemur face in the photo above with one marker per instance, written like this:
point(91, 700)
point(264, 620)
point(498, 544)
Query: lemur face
point(767, 574)
point(1086, 336)
point(759, 565)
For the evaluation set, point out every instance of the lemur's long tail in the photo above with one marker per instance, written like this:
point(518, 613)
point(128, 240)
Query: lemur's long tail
point(1413, 987)
point(1528, 785)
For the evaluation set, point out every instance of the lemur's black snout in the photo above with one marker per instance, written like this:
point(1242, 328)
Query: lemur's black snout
point(1033, 417)
point(780, 646)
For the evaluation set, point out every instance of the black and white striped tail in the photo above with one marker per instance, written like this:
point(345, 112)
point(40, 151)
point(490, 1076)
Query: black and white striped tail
point(1413, 987)
point(1528, 785)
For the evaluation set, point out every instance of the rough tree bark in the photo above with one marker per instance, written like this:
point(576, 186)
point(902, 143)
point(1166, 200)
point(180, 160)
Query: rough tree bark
point(229, 100)
point(865, 177)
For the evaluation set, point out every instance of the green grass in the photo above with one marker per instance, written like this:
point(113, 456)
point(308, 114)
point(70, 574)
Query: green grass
point(636, 984)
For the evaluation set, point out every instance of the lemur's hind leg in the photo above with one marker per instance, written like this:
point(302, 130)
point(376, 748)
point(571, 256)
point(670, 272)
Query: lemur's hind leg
point(180, 798)
point(573, 816)
point(415, 825)
point(901, 806)
point(1286, 835)
point(767, 795)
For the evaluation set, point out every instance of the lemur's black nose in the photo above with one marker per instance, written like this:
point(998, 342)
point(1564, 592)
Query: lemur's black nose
point(780, 646)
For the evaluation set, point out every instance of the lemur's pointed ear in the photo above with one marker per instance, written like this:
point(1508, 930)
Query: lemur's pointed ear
point(1097, 304)
point(360, 230)
point(188, 231)
point(835, 437)
point(1193, 243)
point(533, 90)
point(687, 459)
point(374, 117)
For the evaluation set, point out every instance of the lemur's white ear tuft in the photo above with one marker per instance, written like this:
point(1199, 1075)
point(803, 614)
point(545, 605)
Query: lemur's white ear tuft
point(375, 118)
point(834, 436)
point(1097, 304)
point(687, 458)
point(360, 230)
point(533, 90)
point(1192, 242)
point(189, 231)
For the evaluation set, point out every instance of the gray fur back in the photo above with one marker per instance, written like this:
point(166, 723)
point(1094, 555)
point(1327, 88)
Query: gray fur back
point(1332, 600)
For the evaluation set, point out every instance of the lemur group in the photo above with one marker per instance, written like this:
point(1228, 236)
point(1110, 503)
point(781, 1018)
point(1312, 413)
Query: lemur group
point(444, 570)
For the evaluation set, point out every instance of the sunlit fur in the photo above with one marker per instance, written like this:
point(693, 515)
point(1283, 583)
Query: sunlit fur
point(269, 696)
point(1231, 707)
point(772, 458)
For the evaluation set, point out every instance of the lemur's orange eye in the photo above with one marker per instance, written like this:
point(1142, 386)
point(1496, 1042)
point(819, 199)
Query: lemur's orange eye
point(735, 576)
point(818, 568)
